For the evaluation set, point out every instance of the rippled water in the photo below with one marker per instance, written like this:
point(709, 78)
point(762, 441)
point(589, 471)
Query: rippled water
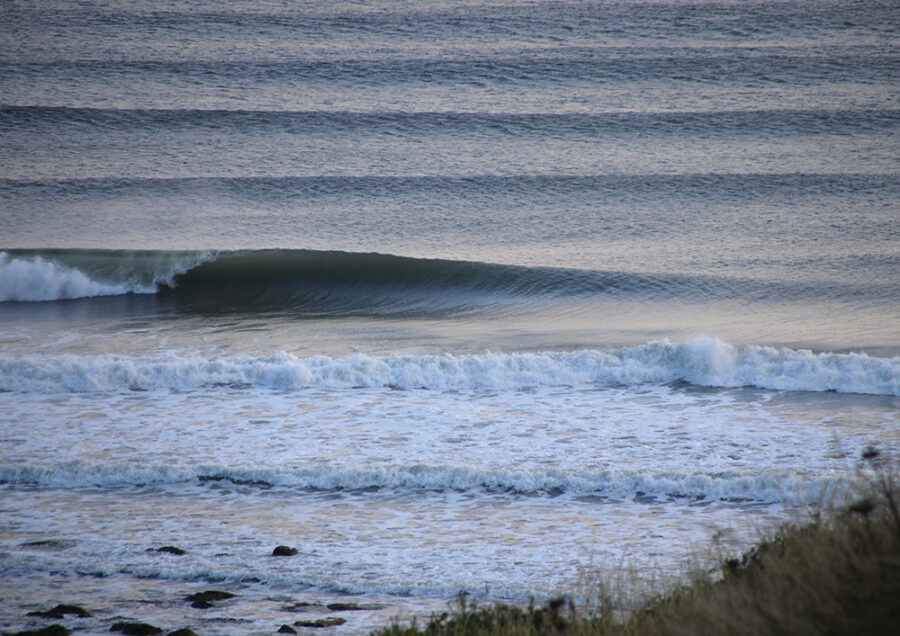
point(470, 296)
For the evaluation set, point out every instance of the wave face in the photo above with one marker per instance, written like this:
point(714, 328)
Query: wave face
point(307, 281)
point(702, 362)
point(331, 283)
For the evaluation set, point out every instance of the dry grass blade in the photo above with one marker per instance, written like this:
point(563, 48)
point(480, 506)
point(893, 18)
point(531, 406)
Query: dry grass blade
point(839, 573)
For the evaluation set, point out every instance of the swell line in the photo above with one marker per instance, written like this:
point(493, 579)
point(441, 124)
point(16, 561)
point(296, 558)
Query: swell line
point(865, 65)
point(401, 122)
point(610, 486)
point(725, 186)
point(326, 284)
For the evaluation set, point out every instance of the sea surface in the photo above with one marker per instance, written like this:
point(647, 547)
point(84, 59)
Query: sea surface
point(483, 297)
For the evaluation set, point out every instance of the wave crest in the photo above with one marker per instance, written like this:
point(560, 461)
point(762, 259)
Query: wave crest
point(36, 279)
point(69, 274)
point(335, 284)
point(735, 487)
point(701, 362)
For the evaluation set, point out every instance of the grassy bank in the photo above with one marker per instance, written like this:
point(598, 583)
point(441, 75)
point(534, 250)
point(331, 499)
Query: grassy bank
point(837, 573)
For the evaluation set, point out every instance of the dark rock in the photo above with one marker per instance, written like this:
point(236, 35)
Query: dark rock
point(344, 607)
point(135, 629)
point(51, 630)
point(285, 550)
point(300, 607)
point(95, 575)
point(863, 507)
point(286, 629)
point(203, 600)
point(60, 611)
point(182, 632)
point(171, 549)
point(331, 621)
point(237, 482)
point(49, 544)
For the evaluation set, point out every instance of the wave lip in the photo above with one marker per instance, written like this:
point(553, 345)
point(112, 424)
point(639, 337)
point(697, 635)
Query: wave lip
point(702, 362)
point(304, 282)
point(68, 274)
point(38, 280)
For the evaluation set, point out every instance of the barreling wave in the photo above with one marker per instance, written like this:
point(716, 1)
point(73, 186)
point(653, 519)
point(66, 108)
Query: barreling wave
point(303, 282)
point(645, 486)
point(701, 362)
point(324, 284)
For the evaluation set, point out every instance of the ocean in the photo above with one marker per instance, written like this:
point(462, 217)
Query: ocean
point(489, 297)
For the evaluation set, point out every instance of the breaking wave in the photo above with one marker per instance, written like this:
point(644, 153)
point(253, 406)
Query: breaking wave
point(62, 274)
point(701, 362)
point(645, 487)
point(301, 281)
point(334, 284)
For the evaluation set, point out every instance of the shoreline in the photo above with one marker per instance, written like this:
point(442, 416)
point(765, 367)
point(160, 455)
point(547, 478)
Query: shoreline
point(837, 572)
point(838, 567)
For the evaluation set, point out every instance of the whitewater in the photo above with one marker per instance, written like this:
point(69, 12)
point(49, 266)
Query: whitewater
point(481, 296)
point(708, 363)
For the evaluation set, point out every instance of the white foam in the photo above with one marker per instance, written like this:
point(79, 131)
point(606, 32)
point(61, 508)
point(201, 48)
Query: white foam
point(703, 362)
point(34, 279)
point(711, 362)
point(616, 485)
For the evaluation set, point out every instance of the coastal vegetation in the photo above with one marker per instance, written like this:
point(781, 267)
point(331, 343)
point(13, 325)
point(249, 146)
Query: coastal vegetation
point(837, 572)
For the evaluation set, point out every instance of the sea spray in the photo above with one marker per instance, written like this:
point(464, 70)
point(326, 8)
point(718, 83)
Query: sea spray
point(46, 275)
point(35, 279)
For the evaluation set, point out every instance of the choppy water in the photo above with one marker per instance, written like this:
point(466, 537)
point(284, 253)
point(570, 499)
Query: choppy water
point(449, 296)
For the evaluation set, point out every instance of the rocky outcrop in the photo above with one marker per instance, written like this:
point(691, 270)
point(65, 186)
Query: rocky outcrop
point(136, 629)
point(331, 621)
point(50, 630)
point(203, 600)
point(171, 549)
point(60, 611)
point(344, 607)
point(285, 550)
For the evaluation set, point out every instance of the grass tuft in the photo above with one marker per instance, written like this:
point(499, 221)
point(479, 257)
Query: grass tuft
point(838, 573)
